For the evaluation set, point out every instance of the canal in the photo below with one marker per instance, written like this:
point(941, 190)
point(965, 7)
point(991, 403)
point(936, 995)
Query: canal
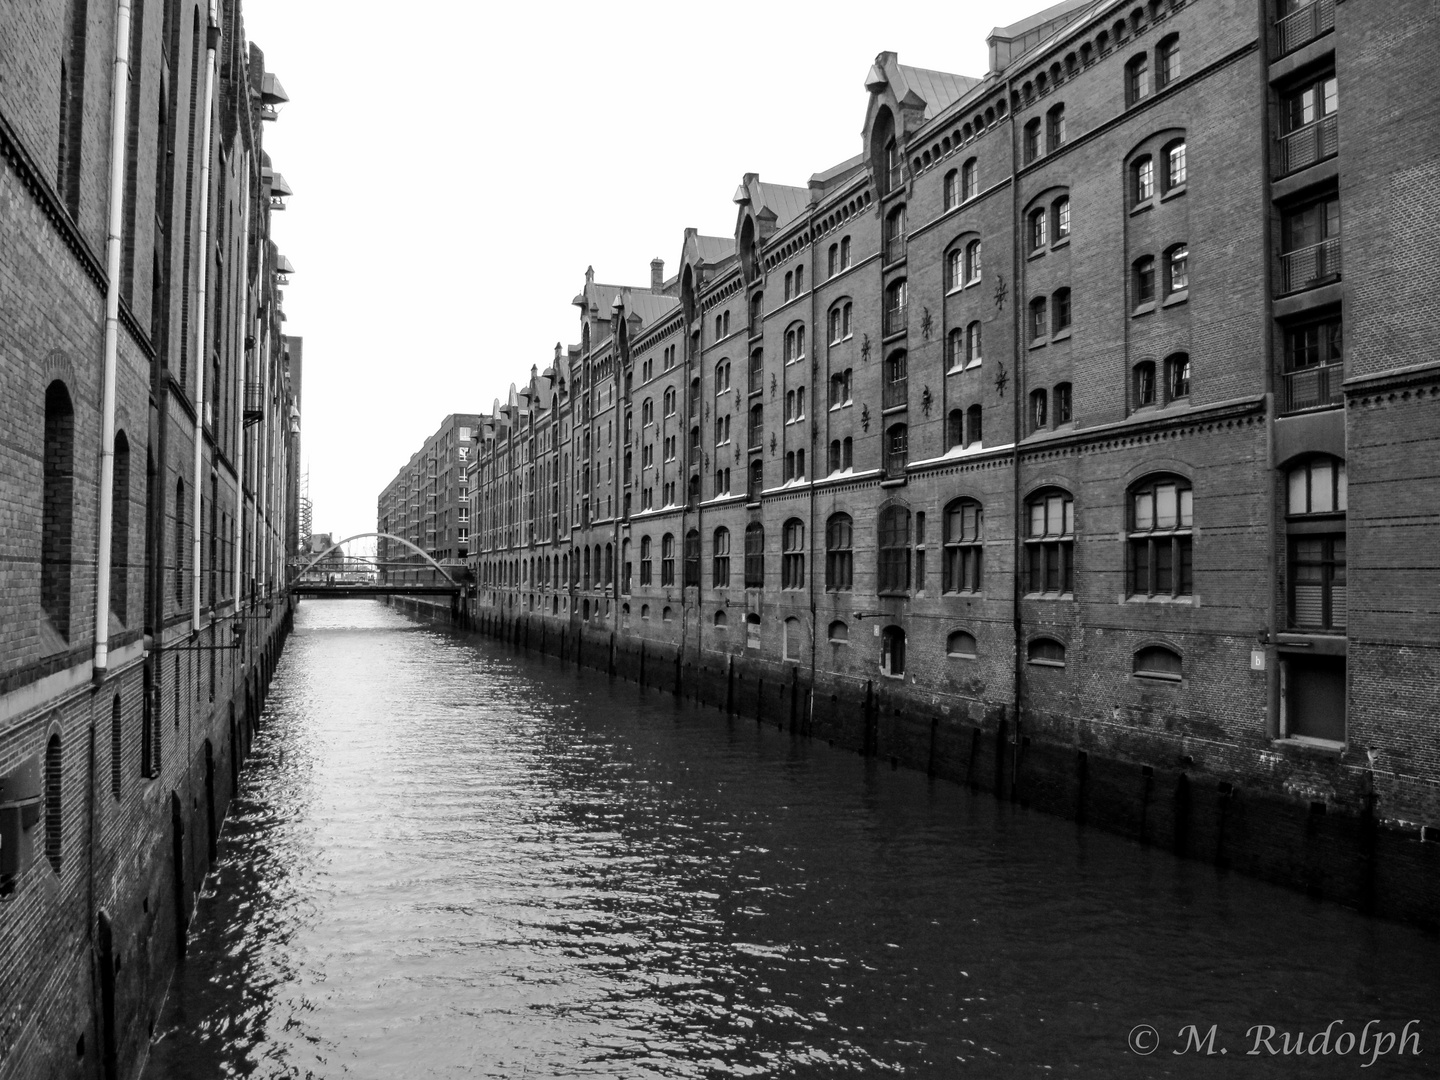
point(451, 860)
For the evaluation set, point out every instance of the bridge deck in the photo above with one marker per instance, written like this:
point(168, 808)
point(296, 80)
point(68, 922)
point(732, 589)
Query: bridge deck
point(349, 590)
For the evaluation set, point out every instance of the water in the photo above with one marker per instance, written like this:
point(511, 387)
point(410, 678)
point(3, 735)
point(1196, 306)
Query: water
point(447, 860)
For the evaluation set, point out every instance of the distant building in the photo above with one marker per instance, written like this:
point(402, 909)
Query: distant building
point(427, 505)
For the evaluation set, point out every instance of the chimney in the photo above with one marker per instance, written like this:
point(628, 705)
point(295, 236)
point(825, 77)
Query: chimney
point(657, 275)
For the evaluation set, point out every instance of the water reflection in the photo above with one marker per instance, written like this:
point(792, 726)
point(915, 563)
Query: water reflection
point(447, 860)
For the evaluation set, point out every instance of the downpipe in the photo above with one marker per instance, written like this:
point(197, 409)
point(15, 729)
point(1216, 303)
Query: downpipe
point(212, 32)
point(119, 107)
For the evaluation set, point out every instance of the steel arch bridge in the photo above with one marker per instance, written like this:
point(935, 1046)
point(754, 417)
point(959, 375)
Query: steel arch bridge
point(300, 587)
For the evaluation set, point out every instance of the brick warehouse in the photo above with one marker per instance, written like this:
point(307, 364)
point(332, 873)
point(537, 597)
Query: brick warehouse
point(150, 428)
point(1046, 444)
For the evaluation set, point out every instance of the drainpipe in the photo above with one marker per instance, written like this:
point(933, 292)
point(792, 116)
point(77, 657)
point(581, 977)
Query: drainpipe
point(240, 412)
point(260, 545)
point(819, 391)
point(1017, 516)
point(118, 108)
point(211, 34)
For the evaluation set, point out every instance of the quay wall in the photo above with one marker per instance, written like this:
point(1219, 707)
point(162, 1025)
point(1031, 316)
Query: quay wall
point(1208, 808)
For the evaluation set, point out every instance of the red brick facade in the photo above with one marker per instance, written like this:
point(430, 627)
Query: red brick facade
point(1205, 451)
point(116, 764)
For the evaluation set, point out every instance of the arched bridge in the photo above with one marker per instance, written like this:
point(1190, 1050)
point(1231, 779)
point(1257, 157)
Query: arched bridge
point(328, 575)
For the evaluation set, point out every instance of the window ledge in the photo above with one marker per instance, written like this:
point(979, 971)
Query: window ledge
point(1155, 676)
point(893, 409)
point(1173, 193)
point(973, 281)
point(1049, 596)
point(1142, 309)
point(1140, 208)
point(1062, 335)
point(1136, 598)
point(1064, 242)
point(1038, 253)
point(1046, 663)
point(894, 481)
point(1328, 747)
point(1176, 298)
point(1038, 343)
point(954, 289)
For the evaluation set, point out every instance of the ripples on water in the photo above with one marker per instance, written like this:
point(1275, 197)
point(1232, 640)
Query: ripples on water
point(450, 861)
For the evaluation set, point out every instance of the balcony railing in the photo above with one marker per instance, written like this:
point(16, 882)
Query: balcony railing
point(897, 392)
point(1312, 143)
point(1308, 267)
point(896, 319)
point(894, 248)
point(254, 402)
point(1316, 387)
point(896, 462)
point(1303, 26)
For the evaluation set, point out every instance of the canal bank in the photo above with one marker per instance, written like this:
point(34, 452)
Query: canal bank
point(1206, 802)
point(449, 859)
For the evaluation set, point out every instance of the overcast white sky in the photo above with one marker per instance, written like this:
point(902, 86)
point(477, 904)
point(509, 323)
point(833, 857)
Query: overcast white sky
point(457, 165)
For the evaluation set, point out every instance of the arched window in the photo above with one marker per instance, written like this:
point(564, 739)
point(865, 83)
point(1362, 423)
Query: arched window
point(120, 534)
point(1167, 61)
point(792, 559)
point(955, 349)
point(667, 614)
point(722, 377)
point(1143, 384)
point(832, 262)
point(955, 429)
point(892, 651)
point(844, 253)
point(752, 631)
point(720, 559)
point(755, 555)
point(1039, 232)
point(962, 644)
point(692, 557)
point(839, 632)
point(179, 542)
point(1160, 537)
point(1137, 79)
point(1060, 311)
point(647, 414)
point(1176, 168)
point(1142, 281)
point(840, 388)
point(756, 431)
point(964, 546)
point(972, 262)
point(839, 553)
point(896, 390)
point(969, 180)
point(1315, 508)
point(57, 523)
point(1055, 128)
point(670, 401)
point(895, 234)
point(1142, 180)
point(1063, 408)
point(1060, 218)
point(1032, 140)
point(955, 268)
point(117, 748)
point(1037, 324)
point(1177, 376)
point(795, 344)
point(896, 307)
point(757, 371)
point(952, 189)
point(756, 483)
point(1046, 652)
point(645, 561)
point(897, 450)
point(54, 821)
point(972, 343)
point(1039, 401)
point(1158, 662)
point(973, 434)
point(1177, 269)
point(794, 636)
point(667, 559)
point(1050, 542)
point(893, 570)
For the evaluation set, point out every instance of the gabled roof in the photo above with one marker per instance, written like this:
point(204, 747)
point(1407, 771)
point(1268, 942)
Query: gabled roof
point(938, 89)
point(786, 203)
point(715, 249)
point(827, 177)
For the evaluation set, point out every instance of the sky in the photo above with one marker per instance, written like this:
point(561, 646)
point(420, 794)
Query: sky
point(455, 172)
